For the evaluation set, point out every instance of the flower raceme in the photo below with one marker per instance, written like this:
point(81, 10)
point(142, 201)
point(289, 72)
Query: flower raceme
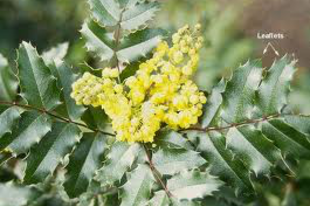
point(161, 91)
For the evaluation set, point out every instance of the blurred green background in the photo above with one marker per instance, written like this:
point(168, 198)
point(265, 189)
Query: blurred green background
point(229, 29)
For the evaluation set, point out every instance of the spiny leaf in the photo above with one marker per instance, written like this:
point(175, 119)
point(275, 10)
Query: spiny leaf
point(45, 156)
point(8, 81)
point(272, 94)
point(29, 131)
point(238, 98)
point(172, 161)
point(11, 195)
point(137, 16)
point(119, 160)
point(129, 48)
point(107, 12)
point(249, 98)
point(222, 162)
point(192, 185)
point(212, 107)
point(301, 123)
point(171, 139)
point(137, 190)
point(253, 148)
point(98, 40)
point(38, 85)
point(160, 199)
point(129, 15)
point(139, 44)
point(66, 78)
point(98, 195)
point(8, 118)
point(83, 163)
point(55, 54)
point(287, 138)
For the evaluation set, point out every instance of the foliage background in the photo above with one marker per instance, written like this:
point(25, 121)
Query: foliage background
point(228, 42)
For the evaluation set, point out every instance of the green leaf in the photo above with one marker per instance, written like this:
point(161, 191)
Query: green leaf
point(137, 190)
point(38, 85)
point(240, 115)
point(253, 148)
point(287, 138)
point(83, 163)
point(66, 78)
point(136, 17)
point(98, 40)
point(8, 81)
point(238, 98)
point(160, 199)
point(55, 54)
point(222, 162)
point(119, 160)
point(29, 131)
point(129, 49)
point(171, 139)
point(96, 118)
point(172, 161)
point(11, 195)
point(212, 107)
point(98, 195)
point(8, 118)
point(272, 94)
point(107, 12)
point(45, 157)
point(192, 185)
point(139, 44)
point(301, 123)
point(129, 15)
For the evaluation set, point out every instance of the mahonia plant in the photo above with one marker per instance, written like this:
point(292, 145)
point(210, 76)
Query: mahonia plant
point(160, 92)
point(139, 132)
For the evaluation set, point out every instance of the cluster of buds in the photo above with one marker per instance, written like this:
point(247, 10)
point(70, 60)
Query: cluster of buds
point(161, 92)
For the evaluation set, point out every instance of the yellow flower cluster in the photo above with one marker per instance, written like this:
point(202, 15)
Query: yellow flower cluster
point(160, 92)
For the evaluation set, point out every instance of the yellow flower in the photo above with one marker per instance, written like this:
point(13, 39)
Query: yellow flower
point(160, 93)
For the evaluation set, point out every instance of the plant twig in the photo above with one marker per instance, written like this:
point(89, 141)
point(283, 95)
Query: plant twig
point(44, 111)
point(155, 172)
point(250, 121)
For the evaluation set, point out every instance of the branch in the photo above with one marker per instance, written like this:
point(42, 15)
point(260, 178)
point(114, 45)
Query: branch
point(155, 172)
point(250, 121)
point(44, 111)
